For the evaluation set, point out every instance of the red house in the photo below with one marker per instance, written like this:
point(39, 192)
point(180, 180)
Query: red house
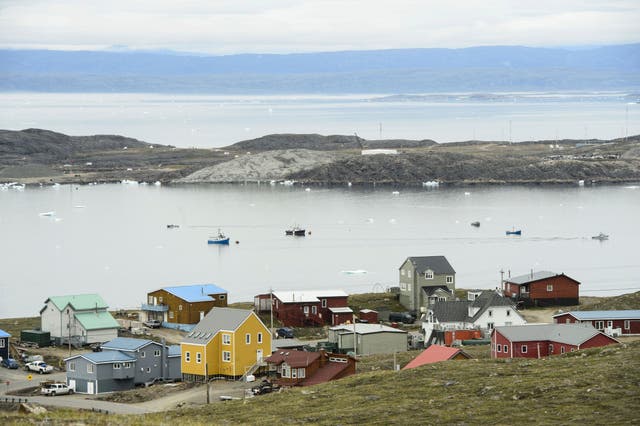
point(536, 341)
point(300, 368)
point(308, 308)
point(542, 288)
point(613, 323)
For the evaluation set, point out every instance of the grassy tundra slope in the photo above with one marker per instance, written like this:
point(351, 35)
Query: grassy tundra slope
point(596, 386)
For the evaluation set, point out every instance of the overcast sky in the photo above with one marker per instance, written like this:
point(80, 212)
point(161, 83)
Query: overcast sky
point(284, 26)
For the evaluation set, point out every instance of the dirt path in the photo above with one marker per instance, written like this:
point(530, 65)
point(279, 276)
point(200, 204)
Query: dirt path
point(196, 396)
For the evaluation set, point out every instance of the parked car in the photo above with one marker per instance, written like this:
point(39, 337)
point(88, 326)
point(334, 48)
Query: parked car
point(153, 323)
point(53, 389)
point(10, 363)
point(403, 317)
point(285, 332)
point(39, 367)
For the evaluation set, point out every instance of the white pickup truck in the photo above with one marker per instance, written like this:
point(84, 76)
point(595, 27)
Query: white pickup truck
point(53, 389)
point(39, 367)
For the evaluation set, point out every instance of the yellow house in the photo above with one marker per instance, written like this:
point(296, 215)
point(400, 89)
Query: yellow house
point(226, 342)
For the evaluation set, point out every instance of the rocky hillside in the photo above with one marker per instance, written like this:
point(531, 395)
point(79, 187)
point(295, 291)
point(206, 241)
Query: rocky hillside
point(324, 143)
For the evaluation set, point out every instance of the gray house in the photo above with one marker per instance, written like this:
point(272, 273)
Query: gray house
point(370, 338)
point(426, 279)
point(123, 364)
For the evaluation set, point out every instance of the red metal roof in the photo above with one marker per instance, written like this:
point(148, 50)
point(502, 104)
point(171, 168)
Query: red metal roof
point(328, 372)
point(434, 353)
point(293, 358)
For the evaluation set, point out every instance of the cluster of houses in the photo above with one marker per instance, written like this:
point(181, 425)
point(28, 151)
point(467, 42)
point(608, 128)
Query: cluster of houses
point(223, 342)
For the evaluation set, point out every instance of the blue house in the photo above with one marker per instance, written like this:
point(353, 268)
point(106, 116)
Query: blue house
point(123, 364)
point(4, 344)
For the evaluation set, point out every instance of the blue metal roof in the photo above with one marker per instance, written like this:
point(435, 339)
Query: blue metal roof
point(195, 293)
point(126, 344)
point(174, 350)
point(603, 315)
point(105, 357)
point(4, 334)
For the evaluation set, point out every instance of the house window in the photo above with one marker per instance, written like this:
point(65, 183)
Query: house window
point(90, 368)
point(306, 310)
point(179, 307)
point(247, 338)
point(286, 371)
point(609, 324)
point(259, 337)
point(490, 313)
point(550, 349)
point(402, 272)
point(71, 366)
point(170, 314)
point(143, 354)
point(600, 325)
point(324, 303)
point(314, 310)
point(449, 279)
point(505, 349)
point(561, 349)
point(627, 324)
point(294, 373)
point(198, 357)
point(150, 299)
point(549, 287)
point(499, 348)
point(508, 312)
point(226, 339)
point(148, 369)
point(490, 325)
point(160, 299)
point(156, 352)
point(301, 373)
point(402, 287)
point(428, 275)
point(409, 274)
point(226, 356)
point(127, 365)
point(117, 366)
point(524, 349)
point(222, 296)
point(187, 356)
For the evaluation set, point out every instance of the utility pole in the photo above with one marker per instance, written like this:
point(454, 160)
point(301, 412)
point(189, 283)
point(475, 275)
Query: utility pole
point(69, 327)
point(206, 378)
point(271, 308)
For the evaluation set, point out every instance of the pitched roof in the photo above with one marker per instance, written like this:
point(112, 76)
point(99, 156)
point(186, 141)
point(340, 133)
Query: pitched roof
point(341, 310)
point(434, 353)
point(195, 293)
point(361, 328)
point(104, 357)
point(174, 350)
point(79, 302)
point(432, 289)
point(96, 320)
point(560, 333)
point(293, 358)
point(126, 344)
point(328, 372)
point(438, 264)
point(536, 276)
point(217, 319)
point(309, 296)
point(458, 310)
point(603, 315)
point(4, 334)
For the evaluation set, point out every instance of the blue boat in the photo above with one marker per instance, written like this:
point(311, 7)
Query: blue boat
point(219, 239)
point(514, 232)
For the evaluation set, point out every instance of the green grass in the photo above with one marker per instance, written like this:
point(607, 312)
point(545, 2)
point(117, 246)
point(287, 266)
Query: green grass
point(597, 386)
point(375, 301)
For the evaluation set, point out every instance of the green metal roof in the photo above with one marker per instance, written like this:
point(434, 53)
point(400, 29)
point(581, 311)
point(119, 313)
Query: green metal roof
point(96, 320)
point(79, 302)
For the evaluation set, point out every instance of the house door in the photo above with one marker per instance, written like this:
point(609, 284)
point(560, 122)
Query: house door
point(90, 389)
point(72, 384)
point(259, 355)
point(201, 315)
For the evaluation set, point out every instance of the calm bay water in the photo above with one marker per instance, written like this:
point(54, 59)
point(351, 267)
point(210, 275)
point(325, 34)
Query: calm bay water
point(112, 239)
point(214, 120)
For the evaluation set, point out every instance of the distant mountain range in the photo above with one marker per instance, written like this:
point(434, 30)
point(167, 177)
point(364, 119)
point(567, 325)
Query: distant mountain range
point(497, 68)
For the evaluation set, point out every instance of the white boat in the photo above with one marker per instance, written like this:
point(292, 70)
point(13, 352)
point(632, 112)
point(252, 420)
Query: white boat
point(600, 236)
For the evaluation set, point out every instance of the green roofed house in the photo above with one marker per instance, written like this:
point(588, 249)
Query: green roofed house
point(80, 319)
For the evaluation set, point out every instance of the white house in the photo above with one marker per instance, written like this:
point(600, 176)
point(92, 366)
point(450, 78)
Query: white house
point(82, 319)
point(483, 309)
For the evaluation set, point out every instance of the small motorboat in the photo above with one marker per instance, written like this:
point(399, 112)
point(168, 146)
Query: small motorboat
point(172, 226)
point(514, 232)
point(296, 231)
point(600, 236)
point(476, 224)
point(218, 239)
